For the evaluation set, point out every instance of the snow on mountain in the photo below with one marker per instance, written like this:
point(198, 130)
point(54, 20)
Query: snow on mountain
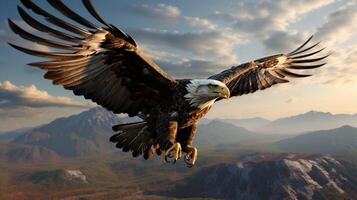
point(286, 177)
point(75, 175)
point(59, 177)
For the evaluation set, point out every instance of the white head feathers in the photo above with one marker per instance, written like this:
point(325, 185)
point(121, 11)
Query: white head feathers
point(199, 94)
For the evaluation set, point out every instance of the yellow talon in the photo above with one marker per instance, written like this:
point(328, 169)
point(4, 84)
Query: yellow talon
point(191, 158)
point(173, 152)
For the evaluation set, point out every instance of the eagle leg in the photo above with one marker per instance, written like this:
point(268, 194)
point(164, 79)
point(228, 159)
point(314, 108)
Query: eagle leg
point(191, 157)
point(185, 136)
point(167, 140)
point(173, 153)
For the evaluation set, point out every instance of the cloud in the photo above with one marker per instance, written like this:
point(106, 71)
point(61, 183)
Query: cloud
point(210, 44)
point(341, 67)
point(262, 17)
point(12, 96)
point(180, 67)
point(340, 25)
point(191, 68)
point(200, 22)
point(169, 12)
point(338, 33)
point(282, 42)
point(159, 11)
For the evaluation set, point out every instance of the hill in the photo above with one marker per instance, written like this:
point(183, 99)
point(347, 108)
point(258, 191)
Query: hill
point(218, 133)
point(247, 123)
point(310, 121)
point(339, 141)
point(11, 152)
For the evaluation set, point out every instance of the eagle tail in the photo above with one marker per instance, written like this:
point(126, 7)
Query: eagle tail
point(134, 137)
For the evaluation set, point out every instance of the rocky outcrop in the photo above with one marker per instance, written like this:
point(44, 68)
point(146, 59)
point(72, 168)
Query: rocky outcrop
point(265, 177)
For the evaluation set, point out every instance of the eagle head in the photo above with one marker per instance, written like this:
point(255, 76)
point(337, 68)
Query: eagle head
point(202, 93)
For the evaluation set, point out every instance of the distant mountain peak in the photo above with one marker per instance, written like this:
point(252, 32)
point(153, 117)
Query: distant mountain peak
point(347, 127)
point(98, 110)
point(219, 121)
point(316, 112)
point(309, 121)
point(76, 135)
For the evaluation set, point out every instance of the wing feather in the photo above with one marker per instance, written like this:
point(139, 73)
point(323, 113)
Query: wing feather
point(43, 28)
point(265, 72)
point(57, 4)
point(104, 64)
point(54, 20)
point(54, 55)
point(28, 36)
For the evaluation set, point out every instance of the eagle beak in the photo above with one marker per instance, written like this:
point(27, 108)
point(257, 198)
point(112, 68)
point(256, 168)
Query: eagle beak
point(224, 92)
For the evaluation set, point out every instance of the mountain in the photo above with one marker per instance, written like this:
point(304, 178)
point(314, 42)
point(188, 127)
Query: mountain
point(339, 141)
point(310, 121)
point(30, 153)
point(249, 123)
point(78, 135)
point(11, 152)
point(273, 177)
point(217, 133)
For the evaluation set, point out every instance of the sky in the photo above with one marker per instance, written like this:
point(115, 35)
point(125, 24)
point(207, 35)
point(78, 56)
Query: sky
point(196, 39)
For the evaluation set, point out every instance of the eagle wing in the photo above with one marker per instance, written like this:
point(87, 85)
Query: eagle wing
point(103, 64)
point(265, 72)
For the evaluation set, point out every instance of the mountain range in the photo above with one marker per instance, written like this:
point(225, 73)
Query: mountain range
point(309, 121)
point(306, 122)
point(72, 157)
point(87, 134)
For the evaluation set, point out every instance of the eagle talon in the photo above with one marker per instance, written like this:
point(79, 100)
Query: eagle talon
point(190, 158)
point(167, 159)
point(173, 153)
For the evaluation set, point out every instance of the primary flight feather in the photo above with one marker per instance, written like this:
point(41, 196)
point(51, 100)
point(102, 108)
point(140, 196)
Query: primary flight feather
point(104, 64)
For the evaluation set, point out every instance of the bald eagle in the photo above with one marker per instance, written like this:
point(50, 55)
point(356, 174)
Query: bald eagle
point(105, 64)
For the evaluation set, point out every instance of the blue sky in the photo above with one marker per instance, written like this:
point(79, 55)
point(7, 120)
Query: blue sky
point(196, 39)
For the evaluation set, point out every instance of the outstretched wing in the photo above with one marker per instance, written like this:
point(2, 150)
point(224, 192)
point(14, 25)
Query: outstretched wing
point(265, 72)
point(103, 64)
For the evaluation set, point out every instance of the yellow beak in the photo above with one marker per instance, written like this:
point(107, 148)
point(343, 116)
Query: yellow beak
point(224, 92)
